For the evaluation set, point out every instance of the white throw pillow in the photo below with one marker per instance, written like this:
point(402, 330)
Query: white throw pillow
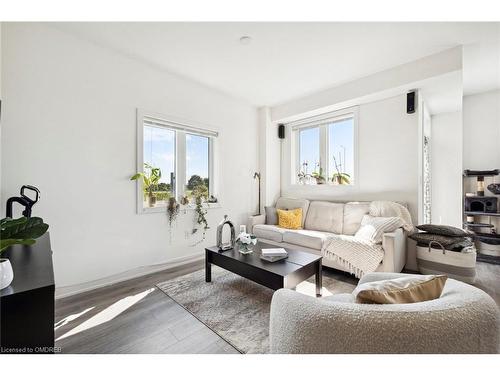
point(373, 228)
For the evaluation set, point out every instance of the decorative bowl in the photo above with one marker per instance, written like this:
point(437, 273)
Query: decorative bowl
point(494, 188)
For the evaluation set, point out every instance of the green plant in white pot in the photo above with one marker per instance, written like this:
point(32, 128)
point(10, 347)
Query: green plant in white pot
point(150, 178)
point(22, 231)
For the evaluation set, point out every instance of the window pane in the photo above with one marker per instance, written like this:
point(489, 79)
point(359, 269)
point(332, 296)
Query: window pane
point(309, 150)
point(197, 165)
point(341, 151)
point(159, 152)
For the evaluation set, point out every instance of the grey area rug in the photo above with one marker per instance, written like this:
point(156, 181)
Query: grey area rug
point(237, 309)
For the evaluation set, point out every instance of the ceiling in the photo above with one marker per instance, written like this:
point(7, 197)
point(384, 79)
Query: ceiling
point(285, 61)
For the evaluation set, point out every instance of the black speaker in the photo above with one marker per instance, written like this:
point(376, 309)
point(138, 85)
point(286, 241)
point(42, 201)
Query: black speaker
point(411, 102)
point(281, 131)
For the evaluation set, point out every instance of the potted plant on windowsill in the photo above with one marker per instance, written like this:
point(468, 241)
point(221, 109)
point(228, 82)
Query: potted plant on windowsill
point(319, 177)
point(150, 178)
point(341, 178)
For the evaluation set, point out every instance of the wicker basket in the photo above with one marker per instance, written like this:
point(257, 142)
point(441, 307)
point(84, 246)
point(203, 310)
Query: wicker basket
point(457, 265)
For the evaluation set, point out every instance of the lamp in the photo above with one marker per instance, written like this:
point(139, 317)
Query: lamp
point(256, 175)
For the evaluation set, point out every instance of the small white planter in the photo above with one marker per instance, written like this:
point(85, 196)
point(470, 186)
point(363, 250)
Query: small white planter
point(6, 273)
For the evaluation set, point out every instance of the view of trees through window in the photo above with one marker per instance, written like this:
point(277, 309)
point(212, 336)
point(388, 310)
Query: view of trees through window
point(159, 152)
point(197, 165)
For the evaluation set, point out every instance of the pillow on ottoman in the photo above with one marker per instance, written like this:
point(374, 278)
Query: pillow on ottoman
point(406, 289)
point(444, 230)
point(426, 238)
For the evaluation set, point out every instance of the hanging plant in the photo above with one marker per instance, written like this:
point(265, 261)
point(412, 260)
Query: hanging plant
point(184, 202)
point(199, 193)
point(172, 211)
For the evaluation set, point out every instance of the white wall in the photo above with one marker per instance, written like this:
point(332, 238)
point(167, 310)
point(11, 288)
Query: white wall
point(387, 158)
point(269, 158)
point(446, 167)
point(69, 127)
point(481, 122)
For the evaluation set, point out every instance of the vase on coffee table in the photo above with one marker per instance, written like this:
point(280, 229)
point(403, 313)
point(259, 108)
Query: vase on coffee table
point(245, 248)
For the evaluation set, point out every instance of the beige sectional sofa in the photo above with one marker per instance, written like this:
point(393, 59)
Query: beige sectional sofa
point(321, 219)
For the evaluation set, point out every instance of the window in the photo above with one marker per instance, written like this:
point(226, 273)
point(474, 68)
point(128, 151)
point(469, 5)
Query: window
point(309, 149)
point(197, 165)
point(159, 152)
point(341, 151)
point(175, 159)
point(325, 149)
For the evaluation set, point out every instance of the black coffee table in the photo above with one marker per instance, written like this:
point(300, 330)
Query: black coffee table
point(285, 273)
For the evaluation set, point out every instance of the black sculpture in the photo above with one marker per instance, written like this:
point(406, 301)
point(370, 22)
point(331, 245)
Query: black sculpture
point(23, 200)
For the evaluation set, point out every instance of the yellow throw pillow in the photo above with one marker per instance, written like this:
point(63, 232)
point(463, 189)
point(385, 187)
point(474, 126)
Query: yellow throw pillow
point(406, 289)
point(291, 219)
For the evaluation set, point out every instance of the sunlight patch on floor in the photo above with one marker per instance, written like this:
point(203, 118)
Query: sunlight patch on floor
point(108, 313)
point(70, 318)
point(309, 289)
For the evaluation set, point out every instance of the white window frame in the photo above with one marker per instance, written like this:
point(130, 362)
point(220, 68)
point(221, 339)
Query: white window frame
point(181, 128)
point(322, 122)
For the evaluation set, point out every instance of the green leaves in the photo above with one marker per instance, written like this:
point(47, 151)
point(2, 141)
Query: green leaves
point(136, 176)
point(150, 178)
point(21, 231)
point(4, 244)
point(341, 178)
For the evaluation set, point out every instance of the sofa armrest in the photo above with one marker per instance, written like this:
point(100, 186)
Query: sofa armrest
point(394, 244)
point(254, 220)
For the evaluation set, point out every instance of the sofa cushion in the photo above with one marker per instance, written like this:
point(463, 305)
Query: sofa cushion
point(271, 215)
point(292, 203)
point(269, 232)
point(353, 214)
point(307, 238)
point(373, 228)
point(325, 217)
point(290, 219)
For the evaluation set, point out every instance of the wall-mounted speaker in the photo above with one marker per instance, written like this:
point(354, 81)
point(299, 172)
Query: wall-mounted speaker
point(411, 102)
point(281, 131)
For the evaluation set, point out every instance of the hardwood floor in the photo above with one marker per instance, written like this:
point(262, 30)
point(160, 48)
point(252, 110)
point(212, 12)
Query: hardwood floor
point(135, 317)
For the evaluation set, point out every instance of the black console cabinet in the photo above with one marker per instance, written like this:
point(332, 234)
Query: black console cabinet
point(27, 305)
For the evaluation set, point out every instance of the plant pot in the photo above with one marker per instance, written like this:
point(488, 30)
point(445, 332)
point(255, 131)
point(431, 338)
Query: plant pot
point(151, 200)
point(245, 248)
point(6, 273)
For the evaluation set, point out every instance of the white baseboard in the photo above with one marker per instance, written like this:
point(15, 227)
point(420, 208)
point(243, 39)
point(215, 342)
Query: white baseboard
point(71, 290)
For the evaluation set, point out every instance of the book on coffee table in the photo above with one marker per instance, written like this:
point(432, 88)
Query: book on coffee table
point(273, 258)
point(274, 252)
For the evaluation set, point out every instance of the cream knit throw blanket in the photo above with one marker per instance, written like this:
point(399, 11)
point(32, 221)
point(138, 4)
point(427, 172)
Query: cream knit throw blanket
point(392, 209)
point(357, 256)
point(361, 257)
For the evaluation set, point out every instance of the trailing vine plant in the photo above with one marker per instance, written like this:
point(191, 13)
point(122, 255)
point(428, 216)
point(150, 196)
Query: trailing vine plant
point(199, 193)
point(172, 213)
